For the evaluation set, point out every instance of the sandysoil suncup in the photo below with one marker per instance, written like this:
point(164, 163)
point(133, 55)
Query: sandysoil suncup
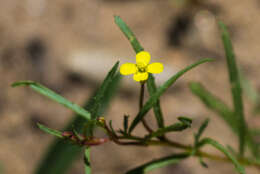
point(141, 68)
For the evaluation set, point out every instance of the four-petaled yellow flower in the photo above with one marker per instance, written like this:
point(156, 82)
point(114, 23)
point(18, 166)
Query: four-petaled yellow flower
point(142, 68)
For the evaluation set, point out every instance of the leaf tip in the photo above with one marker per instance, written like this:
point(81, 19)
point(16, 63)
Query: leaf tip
point(22, 83)
point(117, 18)
point(39, 125)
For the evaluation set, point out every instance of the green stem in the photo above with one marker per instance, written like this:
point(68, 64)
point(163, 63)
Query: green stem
point(141, 101)
point(141, 142)
point(242, 160)
point(87, 161)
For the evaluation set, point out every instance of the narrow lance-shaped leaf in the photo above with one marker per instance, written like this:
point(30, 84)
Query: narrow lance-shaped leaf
point(251, 92)
point(54, 96)
point(129, 34)
point(184, 124)
point(60, 155)
point(111, 127)
point(87, 161)
point(50, 131)
point(95, 111)
point(152, 100)
point(185, 120)
point(232, 151)
point(157, 107)
point(218, 106)
point(202, 163)
point(201, 130)
point(97, 100)
point(100, 95)
point(125, 123)
point(235, 87)
point(214, 103)
point(155, 164)
point(239, 168)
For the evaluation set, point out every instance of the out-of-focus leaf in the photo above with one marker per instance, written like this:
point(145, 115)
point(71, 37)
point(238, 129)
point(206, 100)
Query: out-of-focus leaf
point(239, 168)
point(216, 105)
point(154, 98)
point(111, 127)
point(129, 34)
point(96, 101)
point(172, 159)
point(232, 151)
point(255, 132)
point(54, 96)
point(235, 87)
point(202, 163)
point(60, 155)
point(101, 92)
point(251, 92)
point(50, 131)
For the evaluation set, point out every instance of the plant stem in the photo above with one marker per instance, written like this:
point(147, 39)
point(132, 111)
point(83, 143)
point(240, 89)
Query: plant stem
point(141, 101)
point(142, 142)
point(186, 148)
point(87, 161)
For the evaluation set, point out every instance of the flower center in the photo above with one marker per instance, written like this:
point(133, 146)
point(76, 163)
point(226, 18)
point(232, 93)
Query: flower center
point(141, 67)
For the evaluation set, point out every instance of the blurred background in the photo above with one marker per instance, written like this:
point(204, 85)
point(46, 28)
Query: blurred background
point(70, 45)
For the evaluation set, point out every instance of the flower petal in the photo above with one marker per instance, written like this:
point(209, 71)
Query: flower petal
point(140, 76)
point(142, 59)
point(128, 68)
point(155, 68)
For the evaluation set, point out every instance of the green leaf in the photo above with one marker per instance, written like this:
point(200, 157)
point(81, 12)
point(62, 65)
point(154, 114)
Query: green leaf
point(101, 93)
point(239, 168)
point(153, 99)
point(99, 97)
point(111, 127)
point(157, 107)
point(126, 123)
point(60, 155)
point(214, 103)
point(232, 151)
point(202, 163)
point(255, 132)
point(54, 96)
point(251, 92)
point(235, 87)
point(218, 106)
point(87, 161)
point(129, 34)
point(50, 131)
point(185, 120)
point(155, 164)
point(184, 124)
point(201, 130)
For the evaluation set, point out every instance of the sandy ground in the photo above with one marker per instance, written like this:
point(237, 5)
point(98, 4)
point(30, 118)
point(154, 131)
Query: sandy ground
point(70, 45)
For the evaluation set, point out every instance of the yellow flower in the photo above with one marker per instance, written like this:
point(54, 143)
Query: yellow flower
point(142, 68)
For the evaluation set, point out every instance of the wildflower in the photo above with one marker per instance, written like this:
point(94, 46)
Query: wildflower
point(142, 68)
